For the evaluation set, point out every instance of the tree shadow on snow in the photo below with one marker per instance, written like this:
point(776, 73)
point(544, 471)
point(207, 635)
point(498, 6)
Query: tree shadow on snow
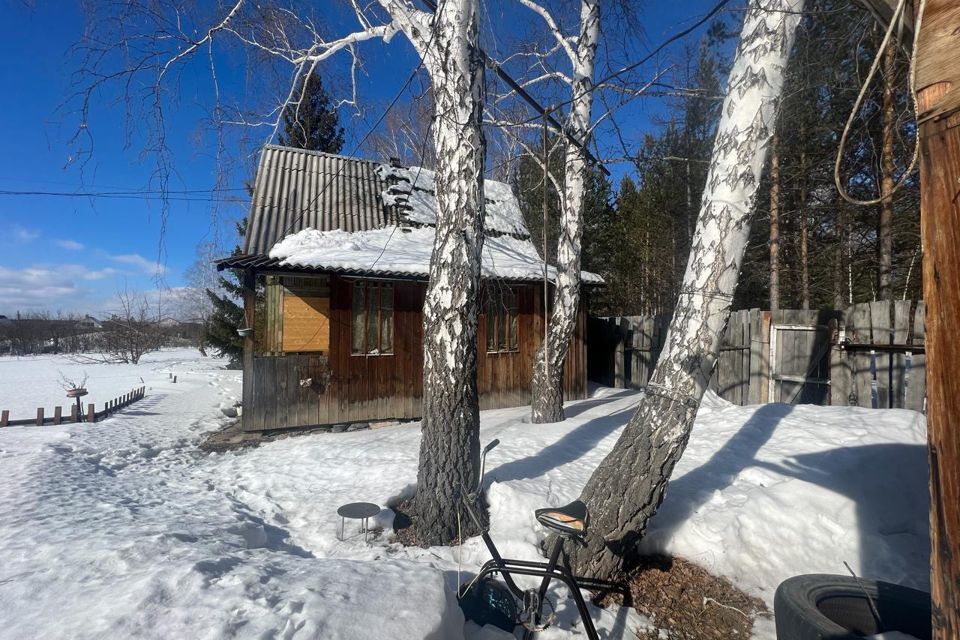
point(572, 446)
point(882, 480)
point(689, 492)
point(585, 405)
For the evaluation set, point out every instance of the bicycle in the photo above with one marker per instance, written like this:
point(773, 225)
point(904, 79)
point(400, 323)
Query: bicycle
point(504, 604)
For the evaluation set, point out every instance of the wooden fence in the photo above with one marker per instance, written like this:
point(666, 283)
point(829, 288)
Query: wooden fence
point(869, 355)
point(89, 415)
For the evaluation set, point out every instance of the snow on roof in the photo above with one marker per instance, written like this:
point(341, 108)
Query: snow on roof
point(414, 190)
point(406, 251)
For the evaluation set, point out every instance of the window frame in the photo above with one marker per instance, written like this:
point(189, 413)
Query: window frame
point(502, 320)
point(385, 333)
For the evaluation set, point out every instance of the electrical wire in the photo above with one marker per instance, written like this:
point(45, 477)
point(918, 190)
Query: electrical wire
point(633, 65)
point(369, 132)
point(894, 23)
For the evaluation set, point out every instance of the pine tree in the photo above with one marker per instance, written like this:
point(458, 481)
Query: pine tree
point(309, 122)
point(220, 331)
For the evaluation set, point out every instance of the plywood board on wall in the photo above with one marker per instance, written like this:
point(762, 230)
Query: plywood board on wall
point(306, 323)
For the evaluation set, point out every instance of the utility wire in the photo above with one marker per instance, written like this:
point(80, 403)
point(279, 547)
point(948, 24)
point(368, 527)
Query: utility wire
point(529, 99)
point(369, 132)
point(633, 65)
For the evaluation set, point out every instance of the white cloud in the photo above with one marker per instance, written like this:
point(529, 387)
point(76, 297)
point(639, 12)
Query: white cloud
point(100, 274)
point(146, 266)
point(22, 234)
point(36, 287)
point(70, 245)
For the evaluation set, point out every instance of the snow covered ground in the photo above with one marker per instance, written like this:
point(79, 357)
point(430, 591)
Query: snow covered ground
point(29, 382)
point(126, 529)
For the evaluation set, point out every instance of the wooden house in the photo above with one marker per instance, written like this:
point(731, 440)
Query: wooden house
point(335, 266)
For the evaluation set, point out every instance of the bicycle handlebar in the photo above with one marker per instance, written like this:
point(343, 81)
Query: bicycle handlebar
point(483, 461)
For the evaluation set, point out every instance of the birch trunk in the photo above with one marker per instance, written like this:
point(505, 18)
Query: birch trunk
point(775, 222)
point(626, 489)
point(547, 386)
point(450, 445)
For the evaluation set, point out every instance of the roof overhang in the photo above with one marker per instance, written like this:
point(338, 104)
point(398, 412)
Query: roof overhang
point(266, 264)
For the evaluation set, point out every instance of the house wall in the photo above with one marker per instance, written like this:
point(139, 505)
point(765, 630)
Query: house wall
point(352, 388)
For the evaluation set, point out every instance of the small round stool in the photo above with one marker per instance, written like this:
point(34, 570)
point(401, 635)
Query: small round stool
point(358, 511)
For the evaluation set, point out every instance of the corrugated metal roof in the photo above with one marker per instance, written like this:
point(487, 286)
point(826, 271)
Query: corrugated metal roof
point(296, 189)
point(266, 263)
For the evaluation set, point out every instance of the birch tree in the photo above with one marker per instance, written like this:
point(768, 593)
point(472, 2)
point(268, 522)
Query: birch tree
point(580, 53)
point(628, 486)
point(157, 40)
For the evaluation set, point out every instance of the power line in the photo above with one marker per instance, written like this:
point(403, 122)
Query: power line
point(530, 100)
point(369, 132)
point(180, 196)
point(633, 65)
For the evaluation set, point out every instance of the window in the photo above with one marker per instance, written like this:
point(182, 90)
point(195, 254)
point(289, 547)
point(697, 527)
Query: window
point(292, 315)
point(501, 312)
point(372, 332)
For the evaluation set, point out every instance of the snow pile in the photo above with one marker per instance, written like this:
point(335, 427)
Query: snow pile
point(414, 190)
point(770, 491)
point(125, 528)
point(394, 250)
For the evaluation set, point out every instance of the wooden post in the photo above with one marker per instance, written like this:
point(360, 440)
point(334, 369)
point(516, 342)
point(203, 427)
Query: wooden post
point(938, 85)
point(40, 416)
point(249, 303)
point(4, 417)
point(91, 413)
point(74, 414)
point(57, 415)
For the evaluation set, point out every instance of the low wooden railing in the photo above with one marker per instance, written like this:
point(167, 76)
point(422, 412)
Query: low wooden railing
point(90, 415)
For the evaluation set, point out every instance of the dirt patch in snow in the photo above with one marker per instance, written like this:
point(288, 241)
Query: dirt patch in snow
point(405, 525)
point(686, 602)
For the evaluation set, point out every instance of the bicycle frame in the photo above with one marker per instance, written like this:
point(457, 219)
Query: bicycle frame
point(553, 569)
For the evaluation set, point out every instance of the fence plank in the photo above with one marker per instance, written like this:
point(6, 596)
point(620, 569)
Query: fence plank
point(4, 417)
point(916, 382)
point(40, 416)
point(880, 329)
point(859, 330)
point(901, 335)
point(57, 415)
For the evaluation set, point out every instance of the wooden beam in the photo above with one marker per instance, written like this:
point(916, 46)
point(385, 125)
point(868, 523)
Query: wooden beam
point(938, 84)
point(249, 321)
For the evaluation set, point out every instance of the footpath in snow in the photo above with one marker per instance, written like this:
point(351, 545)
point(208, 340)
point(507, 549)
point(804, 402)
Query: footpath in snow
point(126, 529)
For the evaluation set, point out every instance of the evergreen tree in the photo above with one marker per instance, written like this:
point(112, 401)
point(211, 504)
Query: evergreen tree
point(220, 330)
point(311, 123)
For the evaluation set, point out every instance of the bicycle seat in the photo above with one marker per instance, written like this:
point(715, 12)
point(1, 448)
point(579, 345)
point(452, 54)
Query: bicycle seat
point(568, 521)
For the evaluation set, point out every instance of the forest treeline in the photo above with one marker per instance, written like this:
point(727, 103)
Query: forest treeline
point(809, 248)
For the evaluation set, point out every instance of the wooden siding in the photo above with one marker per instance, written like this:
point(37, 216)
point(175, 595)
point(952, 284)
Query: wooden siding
point(382, 387)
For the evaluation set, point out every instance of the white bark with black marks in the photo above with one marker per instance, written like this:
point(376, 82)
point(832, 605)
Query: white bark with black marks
point(547, 400)
point(627, 488)
point(450, 447)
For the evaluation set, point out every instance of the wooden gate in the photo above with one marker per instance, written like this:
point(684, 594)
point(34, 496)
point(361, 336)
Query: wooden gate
point(800, 343)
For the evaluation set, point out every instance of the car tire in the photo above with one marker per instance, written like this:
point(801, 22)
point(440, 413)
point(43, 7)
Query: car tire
point(829, 607)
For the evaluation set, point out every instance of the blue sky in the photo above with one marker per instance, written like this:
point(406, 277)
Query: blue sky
point(73, 254)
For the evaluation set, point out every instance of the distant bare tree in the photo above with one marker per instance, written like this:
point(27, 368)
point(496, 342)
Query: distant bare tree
point(131, 332)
